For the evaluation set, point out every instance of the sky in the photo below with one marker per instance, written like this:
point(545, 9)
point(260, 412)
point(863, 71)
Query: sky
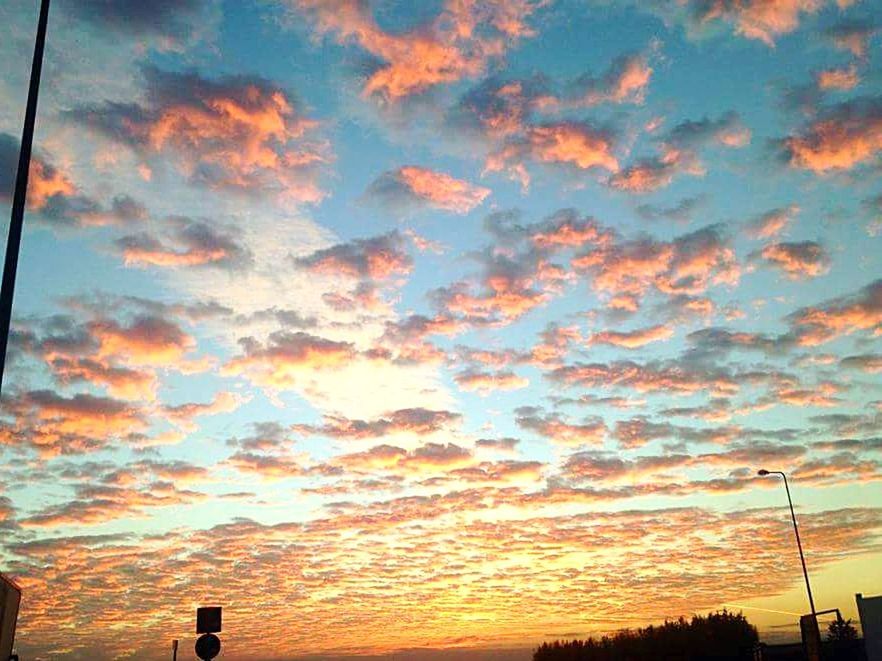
point(458, 324)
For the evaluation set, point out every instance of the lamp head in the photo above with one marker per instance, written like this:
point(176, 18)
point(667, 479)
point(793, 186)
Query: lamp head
point(762, 472)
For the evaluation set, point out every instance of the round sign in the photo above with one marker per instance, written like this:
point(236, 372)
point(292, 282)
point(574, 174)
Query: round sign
point(207, 646)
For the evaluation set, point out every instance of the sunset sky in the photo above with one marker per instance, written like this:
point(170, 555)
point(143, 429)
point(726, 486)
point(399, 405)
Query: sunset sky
point(450, 324)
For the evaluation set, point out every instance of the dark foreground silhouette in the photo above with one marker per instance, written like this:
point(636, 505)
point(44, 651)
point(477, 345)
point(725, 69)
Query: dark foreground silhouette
point(719, 636)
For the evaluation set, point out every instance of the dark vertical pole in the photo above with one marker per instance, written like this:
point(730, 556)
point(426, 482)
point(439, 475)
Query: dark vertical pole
point(13, 243)
point(808, 586)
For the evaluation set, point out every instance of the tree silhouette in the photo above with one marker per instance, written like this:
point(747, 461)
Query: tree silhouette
point(719, 636)
point(840, 629)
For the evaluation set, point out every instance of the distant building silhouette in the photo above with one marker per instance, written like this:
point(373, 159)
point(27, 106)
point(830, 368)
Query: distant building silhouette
point(870, 612)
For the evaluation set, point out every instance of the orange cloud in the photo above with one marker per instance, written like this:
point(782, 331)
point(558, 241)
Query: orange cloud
point(771, 223)
point(867, 362)
point(806, 259)
point(838, 79)
point(821, 395)
point(687, 265)
point(287, 358)
point(652, 377)
point(44, 181)
point(626, 82)
point(816, 325)
point(566, 230)
point(235, 133)
point(184, 414)
point(428, 458)
point(556, 341)
point(651, 174)
point(267, 467)
point(852, 36)
point(557, 430)
point(194, 243)
point(679, 153)
point(441, 190)
point(120, 381)
point(459, 43)
point(759, 19)
point(847, 135)
point(376, 258)
point(632, 339)
point(486, 382)
point(571, 144)
point(148, 340)
point(416, 421)
point(54, 424)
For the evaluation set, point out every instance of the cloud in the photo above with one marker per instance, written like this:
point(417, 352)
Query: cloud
point(626, 81)
point(514, 280)
point(500, 472)
point(376, 258)
point(55, 424)
point(183, 415)
point(190, 243)
point(753, 19)
point(852, 36)
point(460, 42)
point(287, 358)
point(598, 467)
point(486, 382)
point(412, 186)
point(637, 432)
point(683, 212)
point(346, 550)
point(576, 145)
point(646, 378)
point(838, 79)
point(868, 362)
point(818, 324)
point(565, 229)
point(711, 343)
point(235, 133)
point(173, 21)
point(416, 421)
point(498, 444)
point(55, 200)
point(551, 426)
point(96, 504)
point(267, 467)
point(427, 458)
point(800, 260)
point(679, 153)
point(554, 345)
point(632, 339)
point(147, 340)
point(772, 223)
point(687, 265)
point(496, 108)
point(123, 382)
point(716, 410)
point(844, 136)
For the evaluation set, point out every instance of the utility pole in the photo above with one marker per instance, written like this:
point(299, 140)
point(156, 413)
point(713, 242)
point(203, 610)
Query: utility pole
point(13, 243)
point(808, 624)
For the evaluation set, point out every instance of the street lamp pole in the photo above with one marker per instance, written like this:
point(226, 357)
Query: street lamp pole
point(808, 586)
point(13, 243)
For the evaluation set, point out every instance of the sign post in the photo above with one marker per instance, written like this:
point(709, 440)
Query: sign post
point(208, 622)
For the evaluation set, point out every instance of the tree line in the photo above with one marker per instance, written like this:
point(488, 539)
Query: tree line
point(720, 636)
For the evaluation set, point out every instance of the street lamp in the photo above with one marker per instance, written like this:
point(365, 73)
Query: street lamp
point(762, 473)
